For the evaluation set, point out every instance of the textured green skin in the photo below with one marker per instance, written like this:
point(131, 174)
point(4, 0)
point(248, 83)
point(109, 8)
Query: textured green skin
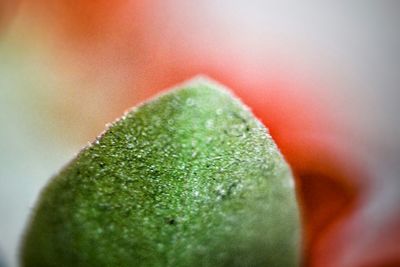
point(188, 179)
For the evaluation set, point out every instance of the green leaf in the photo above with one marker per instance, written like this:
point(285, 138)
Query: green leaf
point(190, 178)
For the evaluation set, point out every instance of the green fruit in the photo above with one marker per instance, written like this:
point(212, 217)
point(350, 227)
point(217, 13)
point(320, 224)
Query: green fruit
point(188, 179)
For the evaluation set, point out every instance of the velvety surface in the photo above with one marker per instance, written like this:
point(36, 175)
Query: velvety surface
point(188, 179)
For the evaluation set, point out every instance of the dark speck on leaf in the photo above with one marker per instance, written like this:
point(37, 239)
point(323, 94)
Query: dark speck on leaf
point(171, 221)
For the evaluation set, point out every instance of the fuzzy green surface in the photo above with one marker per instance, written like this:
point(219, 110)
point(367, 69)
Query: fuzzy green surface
point(188, 179)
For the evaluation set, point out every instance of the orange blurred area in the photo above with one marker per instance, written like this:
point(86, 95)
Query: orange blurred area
point(7, 12)
point(106, 56)
point(75, 21)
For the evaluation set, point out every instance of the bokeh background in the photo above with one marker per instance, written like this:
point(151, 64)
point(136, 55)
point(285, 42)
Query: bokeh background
point(322, 76)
